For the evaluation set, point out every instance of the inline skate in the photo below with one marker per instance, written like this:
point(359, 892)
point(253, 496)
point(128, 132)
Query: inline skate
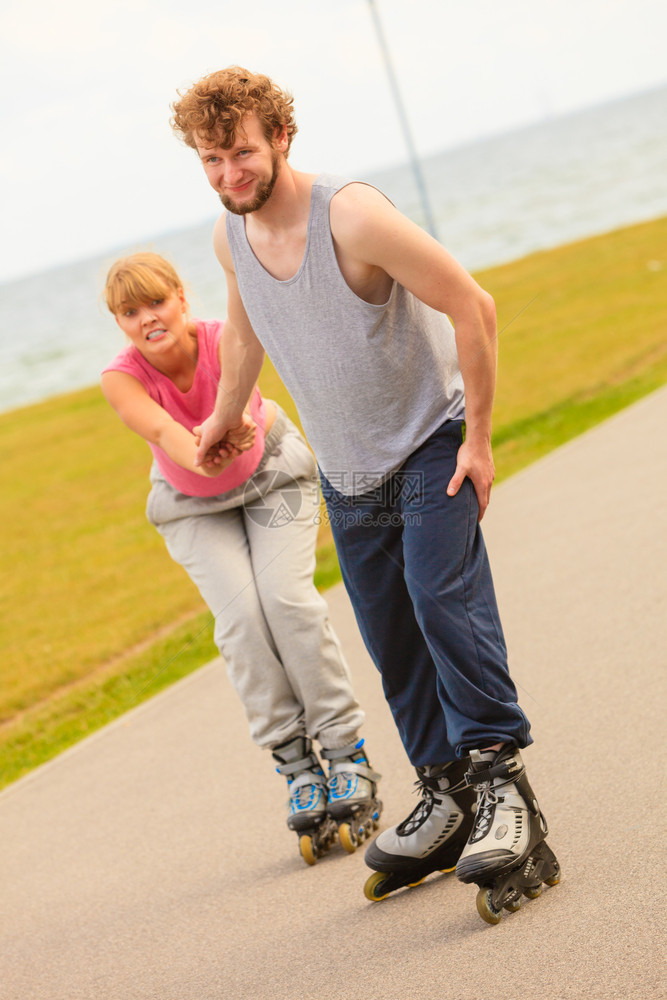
point(353, 804)
point(430, 839)
point(506, 855)
point(307, 805)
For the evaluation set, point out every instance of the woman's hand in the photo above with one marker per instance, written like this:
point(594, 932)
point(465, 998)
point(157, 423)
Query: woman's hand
point(237, 439)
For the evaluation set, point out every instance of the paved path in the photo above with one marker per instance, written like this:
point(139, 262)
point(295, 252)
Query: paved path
point(152, 861)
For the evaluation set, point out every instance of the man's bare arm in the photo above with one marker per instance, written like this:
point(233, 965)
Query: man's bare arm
point(241, 357)
point(369, 232)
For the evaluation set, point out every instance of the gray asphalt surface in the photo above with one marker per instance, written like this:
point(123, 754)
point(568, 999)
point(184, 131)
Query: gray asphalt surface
point(153, 861)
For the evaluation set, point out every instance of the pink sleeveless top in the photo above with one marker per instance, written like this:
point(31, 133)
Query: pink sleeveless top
point(191, 408)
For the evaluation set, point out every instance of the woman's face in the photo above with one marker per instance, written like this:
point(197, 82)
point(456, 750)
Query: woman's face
point(154, 327)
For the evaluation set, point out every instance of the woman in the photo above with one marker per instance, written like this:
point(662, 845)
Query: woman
point(244, 529)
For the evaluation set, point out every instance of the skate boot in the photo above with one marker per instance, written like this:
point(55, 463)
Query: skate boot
point(352, 791)
point(506, 855)
point(430, 839)
point(307, 797)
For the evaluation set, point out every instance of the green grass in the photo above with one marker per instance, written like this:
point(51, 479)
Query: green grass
point(588, 338)
point(590, 320)
point(78, 710)
point(97, 618)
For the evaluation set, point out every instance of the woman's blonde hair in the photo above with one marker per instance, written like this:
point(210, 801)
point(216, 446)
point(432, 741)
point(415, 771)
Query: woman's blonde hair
point(142, 277)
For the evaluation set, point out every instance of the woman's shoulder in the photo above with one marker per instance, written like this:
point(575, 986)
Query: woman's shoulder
point(209, 332)
point(128, 359)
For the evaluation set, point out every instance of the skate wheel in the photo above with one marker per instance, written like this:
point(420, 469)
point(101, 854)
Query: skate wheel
point(555, 878)
point(307, 850)
point(513, 905)
point(533, 893)
point(373, 886)
point(485, 907)
point(348, 838)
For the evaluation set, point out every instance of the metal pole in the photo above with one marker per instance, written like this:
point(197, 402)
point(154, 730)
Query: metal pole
point(416, 167)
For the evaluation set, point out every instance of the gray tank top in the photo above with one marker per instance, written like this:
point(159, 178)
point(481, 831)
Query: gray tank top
point(371, 382)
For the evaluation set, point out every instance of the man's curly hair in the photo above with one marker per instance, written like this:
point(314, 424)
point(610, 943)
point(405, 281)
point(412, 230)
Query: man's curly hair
point(214, 108)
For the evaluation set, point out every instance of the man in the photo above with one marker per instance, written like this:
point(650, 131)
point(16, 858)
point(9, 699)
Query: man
point(353, 302)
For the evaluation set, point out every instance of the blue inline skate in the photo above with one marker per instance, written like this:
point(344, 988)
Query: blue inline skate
point(321, 810)
point(352, 793)
point(307, 804)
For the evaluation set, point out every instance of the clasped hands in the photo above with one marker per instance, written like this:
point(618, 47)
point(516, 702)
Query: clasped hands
point(213, 453)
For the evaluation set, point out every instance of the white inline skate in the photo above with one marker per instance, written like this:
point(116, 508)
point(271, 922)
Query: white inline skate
point(506, 854)
point(430, 839)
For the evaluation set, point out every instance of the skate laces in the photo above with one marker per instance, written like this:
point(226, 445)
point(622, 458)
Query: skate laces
point(423, 790)
point(347, 776)
point(488, 800)
point(306, 790)
point(421, 811)
point(350, 772)
point(305, 782)
point(306, 796)
point(342, 784)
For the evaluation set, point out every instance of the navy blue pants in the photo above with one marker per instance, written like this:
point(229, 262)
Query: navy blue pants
point(415, 567)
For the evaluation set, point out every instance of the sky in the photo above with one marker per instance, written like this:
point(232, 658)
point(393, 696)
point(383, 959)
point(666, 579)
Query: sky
point(88, 161)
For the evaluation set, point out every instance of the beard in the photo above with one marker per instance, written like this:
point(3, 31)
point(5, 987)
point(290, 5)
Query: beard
point(262, 194)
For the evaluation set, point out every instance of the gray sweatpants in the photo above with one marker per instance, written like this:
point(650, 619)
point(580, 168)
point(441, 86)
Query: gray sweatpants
point(251, 553)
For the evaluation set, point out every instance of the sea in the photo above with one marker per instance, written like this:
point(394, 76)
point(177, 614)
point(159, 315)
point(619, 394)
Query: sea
point(493, 201)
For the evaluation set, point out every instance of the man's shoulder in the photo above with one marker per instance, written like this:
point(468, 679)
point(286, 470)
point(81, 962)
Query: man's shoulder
point(355, 207)
point(220, 227)
point(221, 241)
point(359, 193)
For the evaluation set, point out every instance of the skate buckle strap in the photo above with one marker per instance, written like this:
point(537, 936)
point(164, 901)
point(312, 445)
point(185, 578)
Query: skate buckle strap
point(342, 762)
point(306, 765)
point(354, 767)
point(432, 784)
point(346, 751)
point(504, 770)
point(306, 778)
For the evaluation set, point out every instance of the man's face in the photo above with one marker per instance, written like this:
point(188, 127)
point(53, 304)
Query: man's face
point(243, 176)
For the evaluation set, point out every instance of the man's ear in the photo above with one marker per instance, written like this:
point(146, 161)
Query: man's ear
point(280, 139)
